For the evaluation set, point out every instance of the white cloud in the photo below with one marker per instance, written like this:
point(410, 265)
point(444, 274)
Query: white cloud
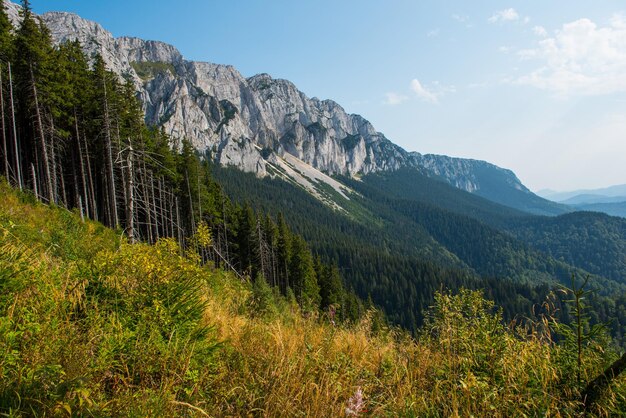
point(581, 58)
point(422, 92)
point(393, 99)
point(463, 19)
point(540, 31)
point(504, 49)
point(460, 18)
point(433, 33)
point(430, 93)
point(506, 15)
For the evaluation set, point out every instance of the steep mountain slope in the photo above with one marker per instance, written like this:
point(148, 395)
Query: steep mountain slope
point(384, 232)
point(489, 181)
point(252, 122)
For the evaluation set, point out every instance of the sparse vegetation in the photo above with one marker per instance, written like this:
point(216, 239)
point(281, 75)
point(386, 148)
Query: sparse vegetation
point(148, 70)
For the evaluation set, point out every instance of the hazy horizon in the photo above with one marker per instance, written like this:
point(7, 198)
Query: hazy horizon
point(537, 88)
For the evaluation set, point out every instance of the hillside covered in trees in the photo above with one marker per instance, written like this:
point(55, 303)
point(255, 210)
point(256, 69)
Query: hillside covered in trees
point(91, 325)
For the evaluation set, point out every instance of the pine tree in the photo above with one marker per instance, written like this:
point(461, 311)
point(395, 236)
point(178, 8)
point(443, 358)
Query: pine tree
point(302, 273)
point(283, 254)
point(245, 240)
point(331, 286)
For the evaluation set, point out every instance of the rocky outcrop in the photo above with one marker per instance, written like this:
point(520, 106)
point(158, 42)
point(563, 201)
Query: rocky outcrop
point(236, 121)
point(246, 122)
point(466, 174)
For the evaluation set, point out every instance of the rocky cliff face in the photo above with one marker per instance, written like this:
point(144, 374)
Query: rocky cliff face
point(465, 173)
point(237, 121)
point(248, 122)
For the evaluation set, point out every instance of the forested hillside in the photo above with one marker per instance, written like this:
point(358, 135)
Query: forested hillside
point(591, 240)
point(91, 325)
point(410, 248)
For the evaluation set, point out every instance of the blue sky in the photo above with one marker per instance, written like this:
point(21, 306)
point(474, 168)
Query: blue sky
point(535, 86)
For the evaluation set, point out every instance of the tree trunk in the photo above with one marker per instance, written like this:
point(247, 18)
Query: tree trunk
point(80, 207)
point(171, 212)
point(63, 191)
point(54, 180)
point(180, 239)
point(594, 389)
point(42, 140)
point(92, 191)
point(146, 200)
point(193, 221)
point(130, 202)
point(18, 168)
point(112, 204)
point(75, 181)
point(161, 209)
point(154, 206)
point(261, 257)
point(225, 228)
point(5, 148)
point(34, 174)
point(82, 167)
point(118, 140)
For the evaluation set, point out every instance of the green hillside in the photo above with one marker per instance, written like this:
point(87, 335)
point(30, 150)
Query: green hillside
point(591, 240)
point(95, 326)
point(411, 249)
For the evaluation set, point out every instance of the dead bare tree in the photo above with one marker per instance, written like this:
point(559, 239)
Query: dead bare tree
point(18, 173)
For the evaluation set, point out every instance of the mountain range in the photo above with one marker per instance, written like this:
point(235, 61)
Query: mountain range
point(609, 200)
point(267, 126)
point(390, 219)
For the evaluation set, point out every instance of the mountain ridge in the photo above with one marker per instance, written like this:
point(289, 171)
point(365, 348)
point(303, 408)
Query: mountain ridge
point(248, 122)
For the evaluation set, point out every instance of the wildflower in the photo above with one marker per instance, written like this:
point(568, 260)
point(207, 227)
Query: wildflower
point(355, 404)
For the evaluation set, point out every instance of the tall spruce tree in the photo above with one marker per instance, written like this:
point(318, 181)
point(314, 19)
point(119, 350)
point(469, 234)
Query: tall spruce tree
point(302, 273)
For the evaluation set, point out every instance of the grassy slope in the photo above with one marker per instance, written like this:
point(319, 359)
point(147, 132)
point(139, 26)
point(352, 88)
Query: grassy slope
point(90, 325)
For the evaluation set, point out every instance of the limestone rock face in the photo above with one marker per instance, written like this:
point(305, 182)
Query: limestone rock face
point(466, 174)
point(247, 122)
point(235, 120)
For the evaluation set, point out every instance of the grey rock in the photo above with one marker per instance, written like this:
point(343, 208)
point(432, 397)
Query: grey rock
point(464, 173)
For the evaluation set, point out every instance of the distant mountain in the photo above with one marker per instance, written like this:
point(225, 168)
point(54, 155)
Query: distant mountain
point(267, 126)
point(611, 208)
point(582, 199)
point(609, 200)
point(612, 191)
